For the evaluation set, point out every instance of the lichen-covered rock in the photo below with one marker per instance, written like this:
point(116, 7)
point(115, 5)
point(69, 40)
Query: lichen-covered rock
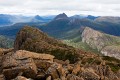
point(2, 53)
point(73, 77)
point(76, 69)
point(89, 74)
point(5, 51)
point(56, 71)
point(12, 66)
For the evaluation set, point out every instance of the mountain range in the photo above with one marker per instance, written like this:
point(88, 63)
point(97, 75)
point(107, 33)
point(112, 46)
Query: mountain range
point(8, 20)
point(66, 24)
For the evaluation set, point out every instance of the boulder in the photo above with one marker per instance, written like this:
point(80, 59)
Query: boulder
point(106, 72)
point(2, 77)
point(20, 78)
point(42, 61)
point(56, 71)
point(2, 53)
point(89, 74)
point(26, 66)
point(29, 63)
point(13, 64)
point(76, 69)
point(5, 51)
point(23, 54)
point(49, 78)
point(73, 77)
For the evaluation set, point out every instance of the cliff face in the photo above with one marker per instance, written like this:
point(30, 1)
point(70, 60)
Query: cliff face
point(32, 39)
point(106, 44)
point(112, 51)
point(93, 38)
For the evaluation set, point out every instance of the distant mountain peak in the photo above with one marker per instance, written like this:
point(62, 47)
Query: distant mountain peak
point(61, 16)
point(92, 17)
point(38, 17)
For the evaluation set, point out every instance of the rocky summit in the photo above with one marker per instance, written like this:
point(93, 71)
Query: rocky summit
point(32, 39)
point(36, 56)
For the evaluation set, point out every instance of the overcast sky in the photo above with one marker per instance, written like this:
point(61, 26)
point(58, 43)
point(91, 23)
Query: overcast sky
point(53, 7)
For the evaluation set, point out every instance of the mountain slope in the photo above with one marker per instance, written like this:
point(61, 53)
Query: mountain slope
point(6, 42)
point(96, 41)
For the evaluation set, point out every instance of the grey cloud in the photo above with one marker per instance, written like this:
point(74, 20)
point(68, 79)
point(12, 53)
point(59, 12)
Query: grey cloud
point(43, 7)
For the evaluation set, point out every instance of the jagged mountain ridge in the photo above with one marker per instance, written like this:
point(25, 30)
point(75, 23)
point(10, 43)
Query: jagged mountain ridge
point(72, 24)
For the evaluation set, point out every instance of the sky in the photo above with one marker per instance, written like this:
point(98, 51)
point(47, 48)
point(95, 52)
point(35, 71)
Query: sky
point(54, 7)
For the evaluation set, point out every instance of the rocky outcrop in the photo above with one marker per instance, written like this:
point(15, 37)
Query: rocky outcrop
point(73, 77)
point(32, 39)
point(5, 51)
point(30, 65)
point(89, 74)
point(2, 77)
point(25, 62)
point(2, 53)
point(26, 65)
point(18, 64)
